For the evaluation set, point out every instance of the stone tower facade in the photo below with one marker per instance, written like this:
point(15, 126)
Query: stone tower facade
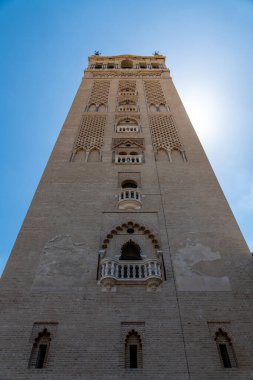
point(129, 264)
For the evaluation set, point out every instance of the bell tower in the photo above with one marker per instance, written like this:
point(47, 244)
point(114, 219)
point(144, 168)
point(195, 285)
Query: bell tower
point(129, 263)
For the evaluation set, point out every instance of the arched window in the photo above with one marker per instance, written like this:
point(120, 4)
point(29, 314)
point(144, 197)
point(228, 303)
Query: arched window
point(40, 350)
point(92, 108)
point(162, 155)
point(143, 65)
point(152, 108)
point(129, 184)
point(225, 349)
point(133, 350)
point(101, 108)
point(94, 156)
point(127, 125)
point(162, 108)
point(126, 64)
point(79, 156)
point(130, 251)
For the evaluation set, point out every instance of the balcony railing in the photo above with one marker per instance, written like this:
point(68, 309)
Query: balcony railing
point(114, 272)
point(128, 159)
point(128, 108)
point(130, 198)
point(127, 128)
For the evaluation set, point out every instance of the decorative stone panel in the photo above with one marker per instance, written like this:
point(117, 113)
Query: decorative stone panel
point(164, 133)
point(99, 93)
point(127, 84)
point(91, 133)
point(154, 92)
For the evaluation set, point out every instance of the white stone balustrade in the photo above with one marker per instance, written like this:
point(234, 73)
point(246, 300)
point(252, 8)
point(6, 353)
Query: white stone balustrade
point(130, 199)
point(122, 270)
point(127, 128)
point(128, 159)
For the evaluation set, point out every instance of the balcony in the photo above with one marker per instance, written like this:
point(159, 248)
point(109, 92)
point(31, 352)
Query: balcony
point(128, 159)
point(114, 272)
point(129, 199)
point(127, 128)
point(128, 108)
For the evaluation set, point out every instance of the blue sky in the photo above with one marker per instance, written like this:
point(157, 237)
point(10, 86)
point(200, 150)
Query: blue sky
point(44, 48)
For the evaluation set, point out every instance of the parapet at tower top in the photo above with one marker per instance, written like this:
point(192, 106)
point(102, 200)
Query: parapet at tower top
point(127, 61)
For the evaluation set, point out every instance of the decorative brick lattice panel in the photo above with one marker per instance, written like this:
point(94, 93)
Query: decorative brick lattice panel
point(154, 92)
point(164, 133)
point(130, 84)
point(91, 133)
point(100, 92)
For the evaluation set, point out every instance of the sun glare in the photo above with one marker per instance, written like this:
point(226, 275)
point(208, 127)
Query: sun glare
point(203, 110)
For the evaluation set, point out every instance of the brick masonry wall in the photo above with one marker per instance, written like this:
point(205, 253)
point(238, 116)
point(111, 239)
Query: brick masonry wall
point(51, 274)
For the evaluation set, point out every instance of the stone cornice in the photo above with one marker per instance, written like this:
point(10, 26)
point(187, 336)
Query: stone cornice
point(126, 73)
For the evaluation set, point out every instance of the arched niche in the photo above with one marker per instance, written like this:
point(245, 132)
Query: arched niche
point(92, 107)
point(126, 64)
point(94, 155)
point(133, 350)
point(128, 121)
point(121, 234)
point(80, 156)
point(162, 108)
point(176, 155)
point(129, 184)
point(152, 108)
point(162, 155)
point(130, 251)
point(101, 108)
point(127, 102)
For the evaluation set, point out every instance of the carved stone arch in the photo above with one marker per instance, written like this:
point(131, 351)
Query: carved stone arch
point(133, 350)
point(129, 183)
point(40, 349)
point(130, 251)
point(93, 155)
point(222, 334)
point(225, 349)
point(133, 332)
point(127, 101)
point(127, 120)
point(162, 154)
point(162, 107)
point(101, 107)
point(176, 153)
point(92, 107)
point(133, 225)
point(152, 107)
point(79, 155)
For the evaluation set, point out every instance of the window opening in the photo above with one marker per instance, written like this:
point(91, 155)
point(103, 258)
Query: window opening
point(129, 184)
point(224, 355)
point(225, 348)
point(133, 350)
point(41, 356)
point(133, 355)
point(130, 251)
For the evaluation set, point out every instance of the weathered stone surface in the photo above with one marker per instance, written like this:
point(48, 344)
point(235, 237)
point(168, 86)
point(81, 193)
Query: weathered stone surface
point(51, 290)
